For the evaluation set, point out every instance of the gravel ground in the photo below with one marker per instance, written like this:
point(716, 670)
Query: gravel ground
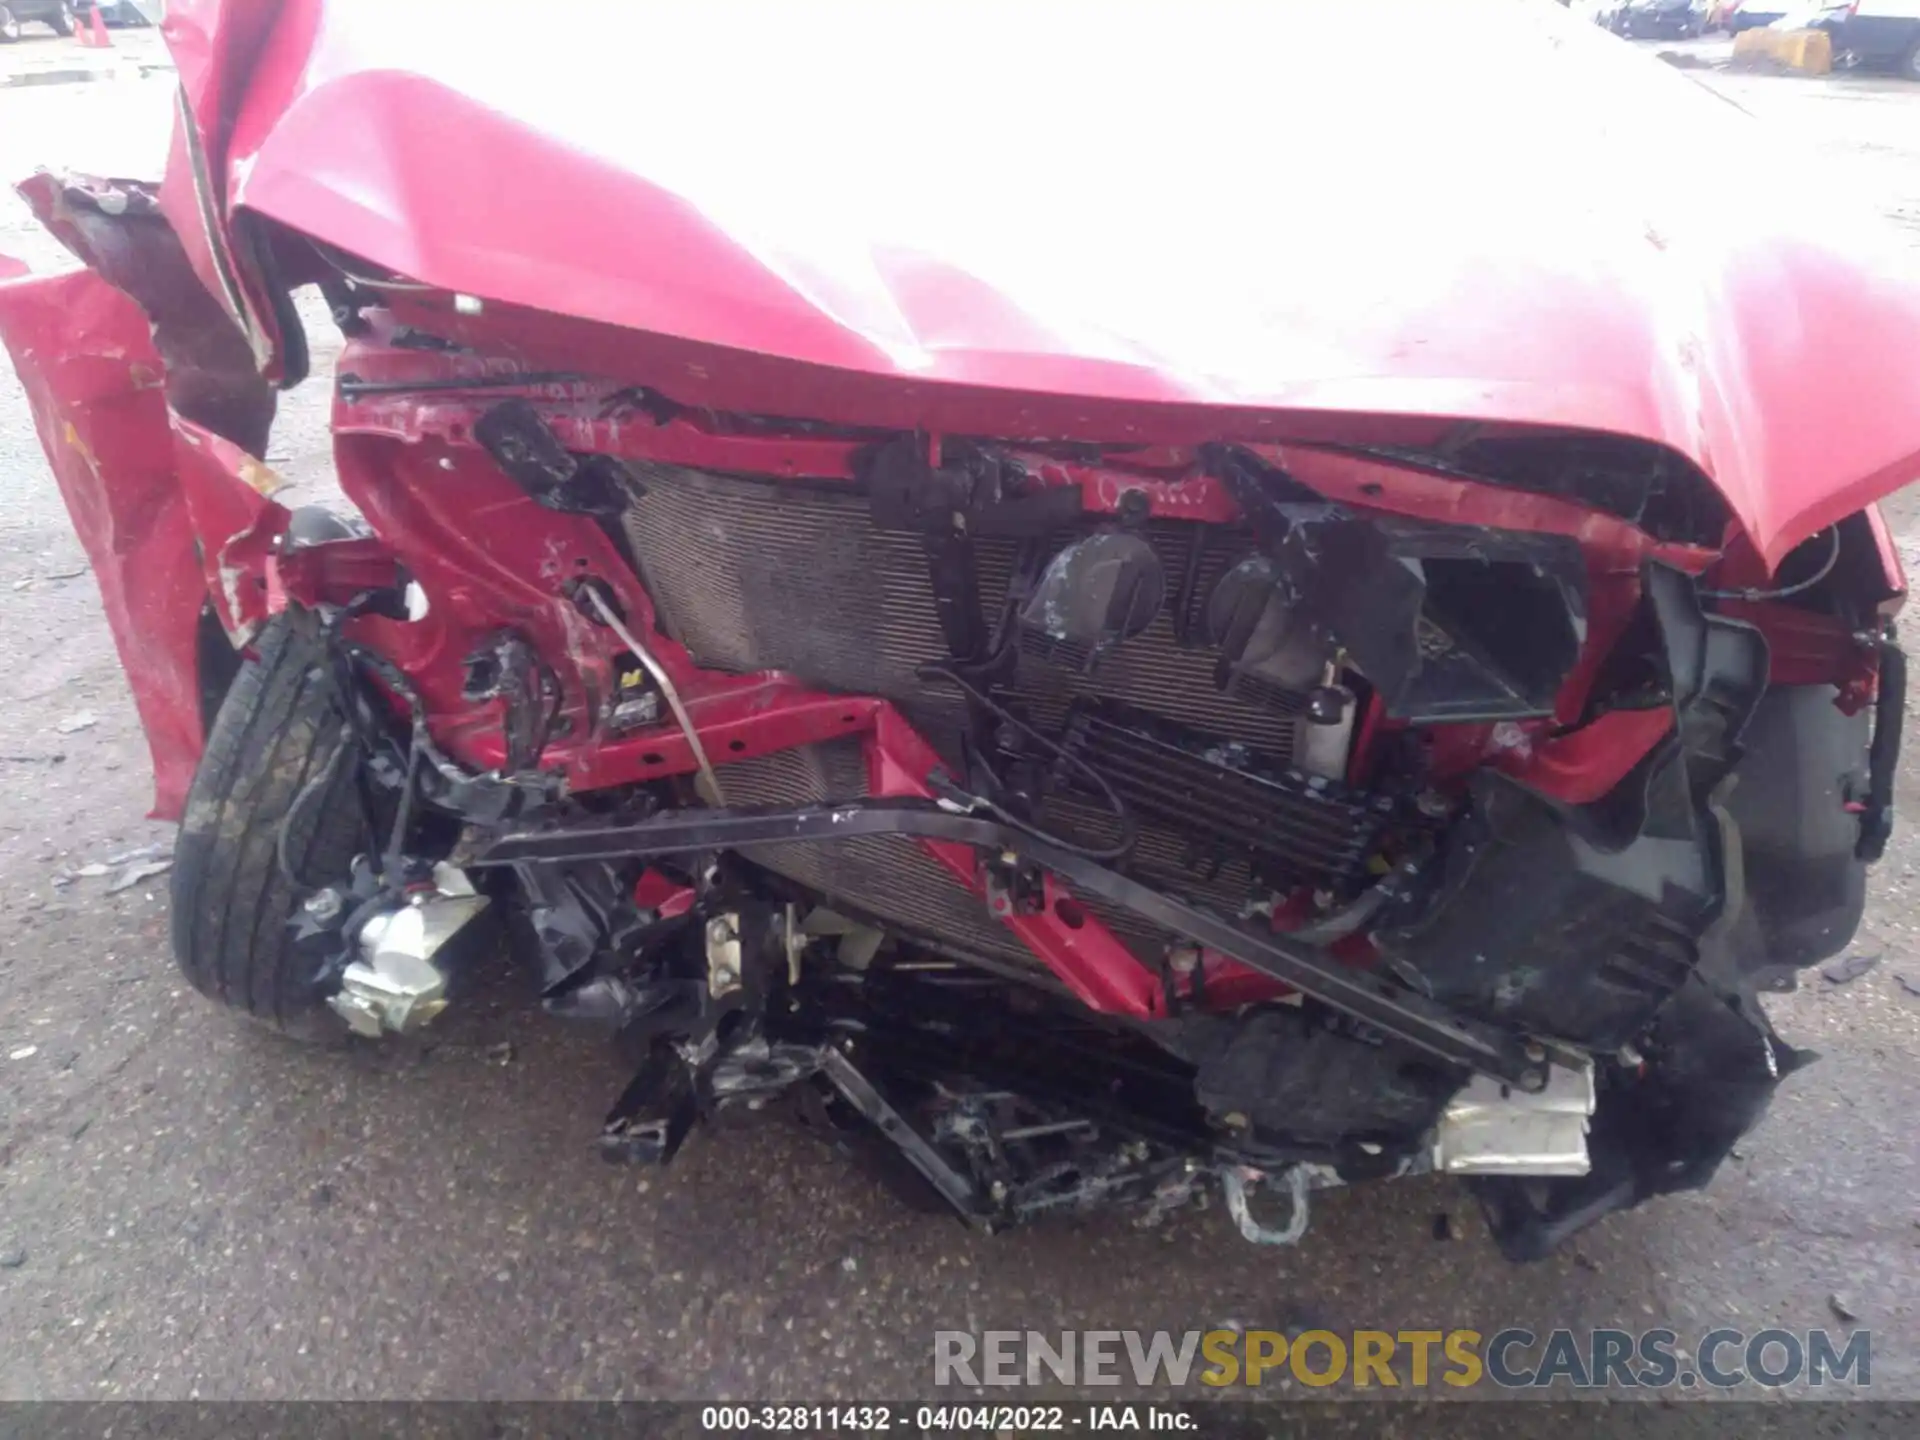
point(188, 1209)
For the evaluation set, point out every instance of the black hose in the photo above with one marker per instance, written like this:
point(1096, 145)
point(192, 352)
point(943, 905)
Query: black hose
point(1128, 829)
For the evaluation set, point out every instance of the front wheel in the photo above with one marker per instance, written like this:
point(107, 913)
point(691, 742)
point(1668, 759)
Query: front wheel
point(273, 810)
point(61, 22)
point(9, 26)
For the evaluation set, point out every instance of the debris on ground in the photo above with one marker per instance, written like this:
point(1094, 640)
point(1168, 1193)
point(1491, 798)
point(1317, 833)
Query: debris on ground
point(79, 720)
point(1848, 968)
point(134, 874)
point(55, 758)
point(140, 852)
point(32, 580)
point(1909, 983)
point(12, 1258)
point(1839, 1306)
point(142, 862)
point(25, 1052)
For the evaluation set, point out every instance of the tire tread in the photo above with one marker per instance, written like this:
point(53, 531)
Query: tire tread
point(277, 726)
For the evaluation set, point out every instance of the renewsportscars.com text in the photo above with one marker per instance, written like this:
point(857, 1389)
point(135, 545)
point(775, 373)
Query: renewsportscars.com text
point(1414, 1359)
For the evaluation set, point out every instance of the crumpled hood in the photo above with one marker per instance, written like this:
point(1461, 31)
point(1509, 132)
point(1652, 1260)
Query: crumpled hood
point(1475, 211)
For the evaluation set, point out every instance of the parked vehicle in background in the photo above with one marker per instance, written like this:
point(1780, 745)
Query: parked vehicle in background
point(1753, 17)
point(1876, 33)
point(1661, 19)
point(15, 15)
point(120, 14)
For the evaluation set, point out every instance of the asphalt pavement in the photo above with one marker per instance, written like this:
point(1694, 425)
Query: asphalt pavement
point(191, 1209)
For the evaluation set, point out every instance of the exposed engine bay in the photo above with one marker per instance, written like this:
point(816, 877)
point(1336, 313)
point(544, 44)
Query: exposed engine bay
point(1067, 824)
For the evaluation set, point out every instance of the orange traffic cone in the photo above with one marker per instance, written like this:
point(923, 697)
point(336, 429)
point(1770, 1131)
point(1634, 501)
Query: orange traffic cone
point(99, 38)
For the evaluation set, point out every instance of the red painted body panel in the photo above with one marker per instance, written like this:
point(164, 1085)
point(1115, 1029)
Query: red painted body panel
point(1165, 233)
point(82, 351)
point(1196, 269)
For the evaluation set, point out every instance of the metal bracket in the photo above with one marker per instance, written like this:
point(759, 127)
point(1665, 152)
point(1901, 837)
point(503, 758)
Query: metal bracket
point(1380, 1002)
point(859, 1092)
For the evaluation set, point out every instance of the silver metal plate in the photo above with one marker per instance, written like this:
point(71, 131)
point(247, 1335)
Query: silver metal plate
point(1493, 1129)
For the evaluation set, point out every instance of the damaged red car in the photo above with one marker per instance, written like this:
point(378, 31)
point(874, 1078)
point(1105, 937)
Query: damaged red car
point(1068, 600)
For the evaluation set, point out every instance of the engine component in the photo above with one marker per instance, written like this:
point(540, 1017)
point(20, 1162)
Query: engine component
point(1289, 1075)
point(1262, 637)
point(1226, 802)
point(635, 701)
point(1096, 593)
point(1492, 1129)
point(399, 983)
point(1448, 622)
point(752, 575)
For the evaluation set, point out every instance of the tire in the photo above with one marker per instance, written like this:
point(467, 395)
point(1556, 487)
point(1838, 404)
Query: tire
point(60, 22)
point(278, 729)
point(1910, 62)
point(9, 27)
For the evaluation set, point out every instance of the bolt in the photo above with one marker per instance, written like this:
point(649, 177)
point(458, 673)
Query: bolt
point(1534, 1081)
point(1535, 1051)
point(1433, 805)
point(997, 1190)
point(723, 977)
point(1184, 959)
point(323, 905)
point(719, 931)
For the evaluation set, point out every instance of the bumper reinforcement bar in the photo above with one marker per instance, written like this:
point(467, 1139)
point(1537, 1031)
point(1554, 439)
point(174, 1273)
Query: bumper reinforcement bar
point(1391, 1007)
